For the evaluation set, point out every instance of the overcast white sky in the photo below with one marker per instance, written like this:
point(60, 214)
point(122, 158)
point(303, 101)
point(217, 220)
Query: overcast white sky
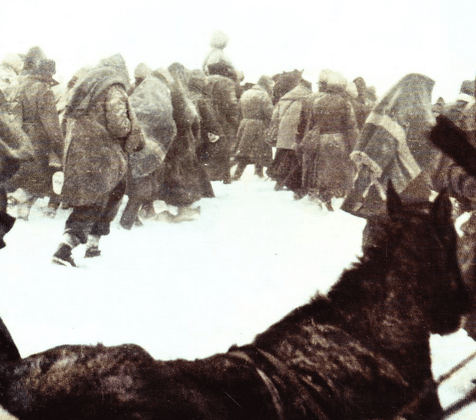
point(379, 40)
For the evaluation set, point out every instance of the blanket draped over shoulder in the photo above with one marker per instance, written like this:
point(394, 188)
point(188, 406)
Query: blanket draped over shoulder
point(152, 104)
point(393, 145)
point(96, 80)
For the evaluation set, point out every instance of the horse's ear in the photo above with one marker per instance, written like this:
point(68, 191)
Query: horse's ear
point(394, 203)
point(442, 209)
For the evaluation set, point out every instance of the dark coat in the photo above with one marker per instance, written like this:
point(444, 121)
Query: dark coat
point(182, 178)
point(37, 110)
point(330, 138)
point(102, 130)
point(95, 157)
point(257, 110)
point(222, 92)
point(15, 146)
point(362, 108)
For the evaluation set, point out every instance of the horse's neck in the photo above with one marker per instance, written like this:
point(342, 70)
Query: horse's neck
point(393, 325)
point(389, 323)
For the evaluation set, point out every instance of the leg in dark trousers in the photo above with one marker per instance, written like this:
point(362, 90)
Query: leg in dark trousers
point(53, 204)
point(130, 213)
point(225, 166)
point(109, 212)
point(226, 169)
point(86, 225)
point(294, 178)
point(54, 201)
point(239, 170)
point(102, 227)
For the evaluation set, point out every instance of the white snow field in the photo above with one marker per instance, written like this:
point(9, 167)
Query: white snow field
point(191, 289)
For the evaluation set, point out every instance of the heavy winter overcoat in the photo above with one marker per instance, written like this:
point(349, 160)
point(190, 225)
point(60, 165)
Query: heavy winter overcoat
point(330, 138)
point(152, 104)
point(10, 67)
point(182, 178)
point(102, 130)
point(256, 110)
point(36, 109)
point(222, 91)
point(95, 156)
point(287, 116)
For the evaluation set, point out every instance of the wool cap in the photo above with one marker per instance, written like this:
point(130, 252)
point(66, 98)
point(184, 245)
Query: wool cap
point(219, 40)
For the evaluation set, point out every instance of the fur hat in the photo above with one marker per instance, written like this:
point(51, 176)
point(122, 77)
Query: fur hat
point(240, 76)
point(267, 83)
point(467, 87)
point(47, 67)
point(219, 40)
point(324, 75)
point(371, 93)
point(360, 85)
point(336, 80)
point(142, 71)
point(33, 58)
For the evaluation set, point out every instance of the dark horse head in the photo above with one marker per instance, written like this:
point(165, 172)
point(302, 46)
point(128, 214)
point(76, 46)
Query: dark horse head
point(378, 317)
point(419, 248)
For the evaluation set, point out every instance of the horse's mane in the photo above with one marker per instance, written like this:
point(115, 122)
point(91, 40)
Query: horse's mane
point(319, 309)
point(359, 280)
point(357, 283)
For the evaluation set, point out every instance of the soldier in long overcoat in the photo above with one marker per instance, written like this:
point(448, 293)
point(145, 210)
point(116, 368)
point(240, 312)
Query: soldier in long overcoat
point(217, 55)
point(256, 109)
point(15, 148)
point(222, 90)
point(34, 107)
point(331, 132)
point(286, 168)
point(101, 131)
point(183, 179)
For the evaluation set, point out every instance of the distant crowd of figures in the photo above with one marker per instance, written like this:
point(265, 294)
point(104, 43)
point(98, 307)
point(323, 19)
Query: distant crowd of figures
point(169, 132)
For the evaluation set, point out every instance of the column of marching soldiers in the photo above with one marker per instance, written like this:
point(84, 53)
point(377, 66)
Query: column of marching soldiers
point(168, 133)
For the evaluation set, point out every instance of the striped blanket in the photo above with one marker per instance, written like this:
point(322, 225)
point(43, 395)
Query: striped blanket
point(393, 145)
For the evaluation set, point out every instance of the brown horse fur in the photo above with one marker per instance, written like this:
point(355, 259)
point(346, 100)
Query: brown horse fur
point(361, 352)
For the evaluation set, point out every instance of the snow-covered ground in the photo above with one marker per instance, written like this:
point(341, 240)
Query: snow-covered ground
point(191, 289)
